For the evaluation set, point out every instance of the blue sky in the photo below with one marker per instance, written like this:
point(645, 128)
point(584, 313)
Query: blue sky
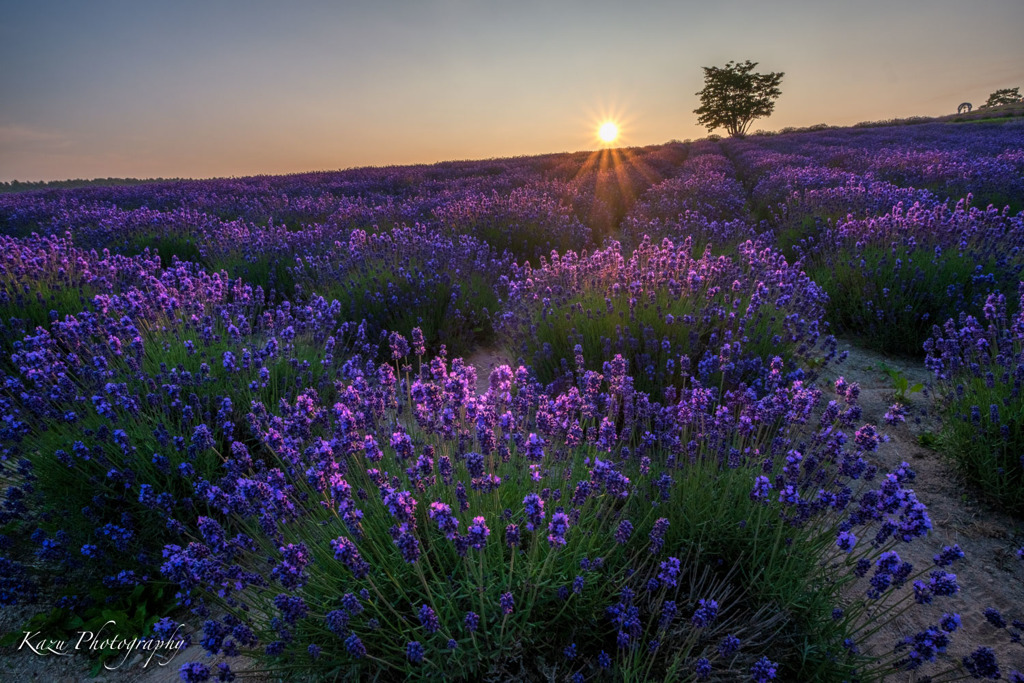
point(215, 88)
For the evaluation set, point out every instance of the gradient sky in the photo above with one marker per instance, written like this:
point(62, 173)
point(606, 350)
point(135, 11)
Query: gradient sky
point(147, 88)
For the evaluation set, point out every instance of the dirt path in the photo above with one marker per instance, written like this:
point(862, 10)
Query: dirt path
point(484, 360)
point(989, 575)
point(24, 665)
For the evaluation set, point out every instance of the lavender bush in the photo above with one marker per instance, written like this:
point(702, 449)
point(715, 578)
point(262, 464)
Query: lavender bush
point(513, 533)
point(980, 369)
point(670, 314)
point(895, 276)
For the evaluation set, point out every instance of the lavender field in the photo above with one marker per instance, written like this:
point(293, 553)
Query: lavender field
point(246, 415)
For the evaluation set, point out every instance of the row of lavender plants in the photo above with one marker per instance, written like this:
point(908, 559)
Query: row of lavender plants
point(235, 398)
point(915, 234)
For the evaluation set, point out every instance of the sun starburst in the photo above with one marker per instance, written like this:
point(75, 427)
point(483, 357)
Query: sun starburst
point(608, 131)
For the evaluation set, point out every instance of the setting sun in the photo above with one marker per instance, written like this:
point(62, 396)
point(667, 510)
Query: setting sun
point(608, 131)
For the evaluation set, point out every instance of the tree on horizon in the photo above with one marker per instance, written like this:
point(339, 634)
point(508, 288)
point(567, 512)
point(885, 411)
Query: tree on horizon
point(1002, 96)
point(734, 95)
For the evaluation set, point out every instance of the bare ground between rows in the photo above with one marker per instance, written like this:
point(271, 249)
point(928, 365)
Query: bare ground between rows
point(989, 575)
point(23, 665)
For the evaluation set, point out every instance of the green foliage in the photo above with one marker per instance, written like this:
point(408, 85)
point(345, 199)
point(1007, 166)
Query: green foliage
point(735, 95)
point(271, 272)
point(891, 297)
point(900, 384)
point(168, 244)
point(25, 312)
point(986, 445)
point(30, 185)
point(441, 288)
point(1001, 97)
point(133, 615)
point(449, 310)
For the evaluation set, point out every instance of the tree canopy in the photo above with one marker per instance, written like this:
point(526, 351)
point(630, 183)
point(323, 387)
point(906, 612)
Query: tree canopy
point(1002, 96)
point(735, 95)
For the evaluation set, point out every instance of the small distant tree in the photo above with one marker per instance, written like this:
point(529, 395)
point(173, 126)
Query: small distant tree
point(735, 95)
point(1002, 96)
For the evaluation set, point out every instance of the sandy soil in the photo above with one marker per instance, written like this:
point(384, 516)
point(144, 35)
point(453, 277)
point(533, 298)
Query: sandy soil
point(485, 360)
point(23, 665)
point(990, 575)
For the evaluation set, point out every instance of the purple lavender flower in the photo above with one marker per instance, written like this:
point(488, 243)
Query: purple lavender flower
point(728, 645)
point(372, 451)
point(948, 556)
point(194, 672)
point(478, 533)
point(922, 647)
point(624, 531)
point(761, 488)
point(337, 622)
point(534, 448)
point(993, 616)
point(982, 664)
point(224, 673)
point(419, 346)
point(508, 603)
point(895, 415)
point(846, 541)
point(414, 651)
point(401, 505)
point(446, 522)
point(355, 646)
point(428, 619)
point(399, 346)
point(669, 609)
point(943, 583)
point(706, 613)
point(346, 552)
point(763, 670)
point(657, 535)
point(558, 527)
point(291, 571)
point(472, 621)
point(352, 604)
point(407, 543)
point(867, 438)
point(292, 607)
point(950, 622)
point(534, 508)
point(512, 535)
point(669, 574)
